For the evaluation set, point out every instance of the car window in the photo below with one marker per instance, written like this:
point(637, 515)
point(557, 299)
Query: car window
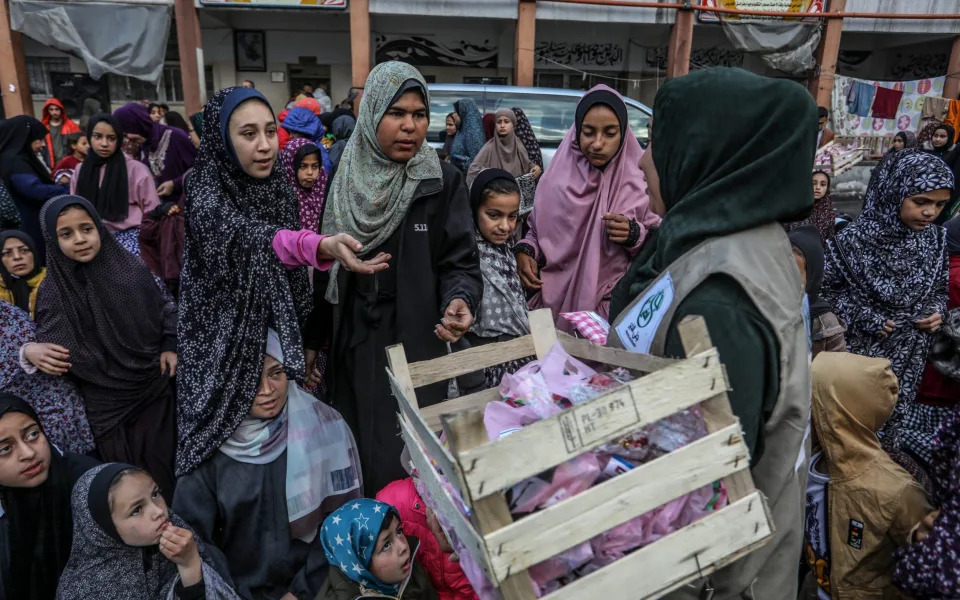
point(551, 116)
point(441, 104)
point(640, 124)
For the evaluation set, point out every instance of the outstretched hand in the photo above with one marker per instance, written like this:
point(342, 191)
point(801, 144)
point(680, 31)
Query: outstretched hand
point(343, 248)
point(456, 320)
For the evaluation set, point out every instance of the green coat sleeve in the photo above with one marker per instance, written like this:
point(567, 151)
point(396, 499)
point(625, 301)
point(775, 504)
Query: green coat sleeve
point(748, 349)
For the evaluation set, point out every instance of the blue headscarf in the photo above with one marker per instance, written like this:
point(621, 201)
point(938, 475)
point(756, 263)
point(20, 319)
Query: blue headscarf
point(470, 139)
point(302, 120)
point(349, 537)
point(234, 99)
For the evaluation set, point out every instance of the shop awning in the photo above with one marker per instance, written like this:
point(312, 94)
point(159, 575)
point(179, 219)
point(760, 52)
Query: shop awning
point(124, 37)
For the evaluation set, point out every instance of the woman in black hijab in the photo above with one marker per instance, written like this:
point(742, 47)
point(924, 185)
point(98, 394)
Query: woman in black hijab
point(101, 319)
point(26, 177)
point(35, 482)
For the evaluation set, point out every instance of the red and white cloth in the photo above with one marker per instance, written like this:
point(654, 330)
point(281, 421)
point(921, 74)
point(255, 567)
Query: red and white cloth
point(591, 325)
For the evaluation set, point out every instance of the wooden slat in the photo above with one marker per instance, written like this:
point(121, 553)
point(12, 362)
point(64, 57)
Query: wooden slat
point(479, 400)
point(694, 551)
point(437, 451)
point(467, 361)
point(717, 412)
point(397, 360)
point(543, 331)
point(498, 464)
point(465, 430)
point(548, 532)
point(587, 350)
point(443, 503)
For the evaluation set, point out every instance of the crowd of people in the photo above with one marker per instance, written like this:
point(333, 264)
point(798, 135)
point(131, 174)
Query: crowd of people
point(194, 400)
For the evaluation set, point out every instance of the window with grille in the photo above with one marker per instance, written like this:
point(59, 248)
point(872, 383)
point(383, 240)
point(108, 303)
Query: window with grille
point(130, 89)
point(39, 69)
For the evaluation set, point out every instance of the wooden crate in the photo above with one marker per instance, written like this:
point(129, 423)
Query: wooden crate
point(480, 470)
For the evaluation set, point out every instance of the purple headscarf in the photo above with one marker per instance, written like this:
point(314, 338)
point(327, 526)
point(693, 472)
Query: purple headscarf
point(168, 151)
point(566, 226)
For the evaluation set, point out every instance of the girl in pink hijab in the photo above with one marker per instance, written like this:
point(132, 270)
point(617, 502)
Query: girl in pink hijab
point(591, 215)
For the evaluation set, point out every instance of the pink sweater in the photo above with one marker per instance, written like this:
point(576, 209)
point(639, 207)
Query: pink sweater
point(299, 249)
point(142, 193)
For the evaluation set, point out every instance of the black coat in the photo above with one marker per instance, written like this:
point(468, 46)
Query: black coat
point(434, 261)
point(241, 509)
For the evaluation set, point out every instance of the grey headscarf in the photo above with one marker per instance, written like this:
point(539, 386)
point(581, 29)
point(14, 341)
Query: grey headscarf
point(101, 566)
point(371, 193)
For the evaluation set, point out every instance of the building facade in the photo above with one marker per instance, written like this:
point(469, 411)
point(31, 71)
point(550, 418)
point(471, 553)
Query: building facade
point(282, 44)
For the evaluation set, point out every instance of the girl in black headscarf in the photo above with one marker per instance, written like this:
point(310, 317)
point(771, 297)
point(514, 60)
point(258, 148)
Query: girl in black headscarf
point(20, 270)
point(942, 141)
point(26, 177)
point(129, 546)
point(102, 320)
point(244, 269)
point(120, 188)
point(35, 482)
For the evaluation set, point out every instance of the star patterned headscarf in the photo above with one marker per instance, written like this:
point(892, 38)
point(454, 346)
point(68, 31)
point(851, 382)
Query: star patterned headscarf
point(349, 538)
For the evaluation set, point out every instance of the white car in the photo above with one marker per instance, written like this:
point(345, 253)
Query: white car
point(551, 110)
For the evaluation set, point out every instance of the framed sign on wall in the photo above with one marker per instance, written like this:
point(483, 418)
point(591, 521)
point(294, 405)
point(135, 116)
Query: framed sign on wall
point(250, 50)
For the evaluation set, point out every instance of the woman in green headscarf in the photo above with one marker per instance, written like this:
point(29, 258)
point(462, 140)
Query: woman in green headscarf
point(394, 196)
point(734, 154)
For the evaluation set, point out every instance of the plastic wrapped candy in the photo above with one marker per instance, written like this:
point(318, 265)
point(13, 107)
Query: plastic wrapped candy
point(662, 437)
point(598, 385)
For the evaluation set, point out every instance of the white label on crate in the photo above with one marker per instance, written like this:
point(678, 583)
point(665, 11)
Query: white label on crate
point(639, 326)
point(591, 422)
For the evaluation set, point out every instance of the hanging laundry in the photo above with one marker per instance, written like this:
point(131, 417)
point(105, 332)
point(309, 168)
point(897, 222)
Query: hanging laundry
point(862, 99)
point(953, 117)
point(934, 108)
point(886, 102)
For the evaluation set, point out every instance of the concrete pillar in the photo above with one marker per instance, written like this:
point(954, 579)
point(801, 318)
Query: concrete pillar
point(191, 55)
point(680, 44)
point(951, 89)
point(523, 56)
point(14, 83)
point(360, 41)
point(826, 55)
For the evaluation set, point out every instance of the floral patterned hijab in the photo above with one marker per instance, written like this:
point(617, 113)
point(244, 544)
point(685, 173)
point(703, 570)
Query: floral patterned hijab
point(371, 193)
point(310, 201)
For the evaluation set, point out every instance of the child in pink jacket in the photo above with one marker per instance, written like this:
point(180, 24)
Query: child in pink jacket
point(435, 553)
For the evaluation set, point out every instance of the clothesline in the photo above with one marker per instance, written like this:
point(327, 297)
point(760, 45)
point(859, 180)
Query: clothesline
point(883, 108)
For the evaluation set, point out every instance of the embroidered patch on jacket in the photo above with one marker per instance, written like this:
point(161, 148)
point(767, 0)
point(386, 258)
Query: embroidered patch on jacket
point(855, 535)
point(420, 227)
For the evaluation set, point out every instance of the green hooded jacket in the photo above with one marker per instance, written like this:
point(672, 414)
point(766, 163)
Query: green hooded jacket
point(733, 151)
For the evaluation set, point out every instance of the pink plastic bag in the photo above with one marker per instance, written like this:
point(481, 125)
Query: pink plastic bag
point(545, 573)
point(569, 479)
point(561, 372)
point(650, 527)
